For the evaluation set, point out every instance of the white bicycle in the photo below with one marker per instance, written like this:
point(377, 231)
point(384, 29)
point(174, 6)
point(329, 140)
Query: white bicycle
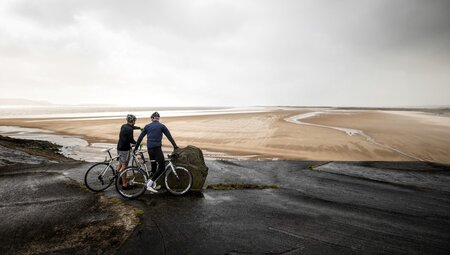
point(177, 179)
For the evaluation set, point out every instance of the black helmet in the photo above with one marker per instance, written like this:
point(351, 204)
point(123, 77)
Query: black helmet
point(155, 115)
point(131, 118)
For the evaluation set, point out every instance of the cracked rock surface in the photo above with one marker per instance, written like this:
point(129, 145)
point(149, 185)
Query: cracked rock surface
point(42, 211)
point(334, 208)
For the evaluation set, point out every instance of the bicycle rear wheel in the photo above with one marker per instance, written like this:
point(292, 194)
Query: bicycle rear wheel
point(99, 177)
point(178, 182)
point(136, 182)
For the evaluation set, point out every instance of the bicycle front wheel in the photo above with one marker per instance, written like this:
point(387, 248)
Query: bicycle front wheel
point(136, 180)
point(99, 177)
point(178, 182)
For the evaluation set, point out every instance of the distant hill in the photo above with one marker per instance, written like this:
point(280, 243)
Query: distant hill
point(21, 101)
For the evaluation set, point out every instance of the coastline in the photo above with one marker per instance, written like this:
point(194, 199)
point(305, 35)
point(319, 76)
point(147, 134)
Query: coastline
point(397, 136)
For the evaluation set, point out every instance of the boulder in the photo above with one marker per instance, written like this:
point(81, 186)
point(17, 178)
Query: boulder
point(191, 158)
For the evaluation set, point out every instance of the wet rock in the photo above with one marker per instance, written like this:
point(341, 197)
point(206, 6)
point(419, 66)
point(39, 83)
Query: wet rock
point(45, 213)
point(191, 158)
point(10, 157)
point(20, 151)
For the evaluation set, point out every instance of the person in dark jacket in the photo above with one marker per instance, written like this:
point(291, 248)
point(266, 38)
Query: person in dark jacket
point(154, 131)
point(126, 139)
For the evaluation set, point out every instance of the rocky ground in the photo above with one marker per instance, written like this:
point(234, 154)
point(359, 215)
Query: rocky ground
point(251, 207)
point(334, 208)
point(42, 211)
point(21, 151)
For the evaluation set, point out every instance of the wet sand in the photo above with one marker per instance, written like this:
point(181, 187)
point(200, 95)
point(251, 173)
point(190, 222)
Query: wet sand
point(399, 135)
point(420, 135)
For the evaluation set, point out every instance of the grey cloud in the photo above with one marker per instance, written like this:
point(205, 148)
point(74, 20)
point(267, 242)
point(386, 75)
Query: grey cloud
point(237, 52)
point(392, 25)
point(187, 18)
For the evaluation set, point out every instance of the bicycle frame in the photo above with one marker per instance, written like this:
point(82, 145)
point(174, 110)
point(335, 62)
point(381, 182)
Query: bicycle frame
point(169, 165)
point(176, 179)
point(172, 167)
point(139, 164)
point(106, 168)
point(111, 159)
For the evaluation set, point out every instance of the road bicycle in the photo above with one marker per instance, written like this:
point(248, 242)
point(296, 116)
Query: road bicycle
point(101, 175)
point(177, 179)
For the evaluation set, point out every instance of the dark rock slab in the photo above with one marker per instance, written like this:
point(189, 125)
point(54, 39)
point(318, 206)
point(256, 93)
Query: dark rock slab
point(334, 208)
point(43, 212)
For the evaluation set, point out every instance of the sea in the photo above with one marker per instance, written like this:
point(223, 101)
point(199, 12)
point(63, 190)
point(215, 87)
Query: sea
point(114, 112)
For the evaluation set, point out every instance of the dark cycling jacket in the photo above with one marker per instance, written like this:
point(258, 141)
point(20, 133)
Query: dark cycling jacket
point(126, 137)
point(154, 133)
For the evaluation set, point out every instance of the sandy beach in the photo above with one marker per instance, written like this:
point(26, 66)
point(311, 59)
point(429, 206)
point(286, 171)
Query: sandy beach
point(325, 134)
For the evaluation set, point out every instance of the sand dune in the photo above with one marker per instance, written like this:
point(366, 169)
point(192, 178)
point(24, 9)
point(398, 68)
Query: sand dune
point(398, 136)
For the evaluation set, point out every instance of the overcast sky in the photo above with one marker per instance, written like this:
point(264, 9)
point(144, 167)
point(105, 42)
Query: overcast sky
point(232, 53)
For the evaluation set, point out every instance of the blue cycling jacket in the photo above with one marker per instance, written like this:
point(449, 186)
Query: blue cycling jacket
point(154, 132)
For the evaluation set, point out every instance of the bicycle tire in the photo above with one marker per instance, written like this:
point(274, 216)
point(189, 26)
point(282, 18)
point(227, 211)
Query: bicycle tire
point(136, 182)
point(179, 183)
point(94, 181)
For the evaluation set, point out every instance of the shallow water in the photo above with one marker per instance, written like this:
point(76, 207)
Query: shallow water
point(79, 149)
point(72, 147)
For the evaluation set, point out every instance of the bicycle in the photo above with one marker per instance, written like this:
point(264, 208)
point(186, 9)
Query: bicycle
point(177, 179)
point(101, 175)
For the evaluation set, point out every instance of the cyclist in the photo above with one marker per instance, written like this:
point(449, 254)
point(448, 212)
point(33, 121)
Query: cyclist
point(154, 131)
point(126, 138)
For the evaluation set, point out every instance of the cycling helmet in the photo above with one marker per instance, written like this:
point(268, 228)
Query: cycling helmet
point(131, 118)
point(155, 115)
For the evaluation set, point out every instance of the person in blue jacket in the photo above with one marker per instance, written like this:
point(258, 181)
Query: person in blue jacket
point(154, 131)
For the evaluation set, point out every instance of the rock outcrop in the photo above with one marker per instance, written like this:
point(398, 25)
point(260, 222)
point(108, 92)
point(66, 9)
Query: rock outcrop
point(191, 158)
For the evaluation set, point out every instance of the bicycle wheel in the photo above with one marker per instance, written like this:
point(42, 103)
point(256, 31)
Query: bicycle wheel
point(99, 177)
point(136, 180)
point(178, 182)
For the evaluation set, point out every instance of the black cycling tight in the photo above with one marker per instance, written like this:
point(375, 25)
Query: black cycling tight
point(157, 155)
